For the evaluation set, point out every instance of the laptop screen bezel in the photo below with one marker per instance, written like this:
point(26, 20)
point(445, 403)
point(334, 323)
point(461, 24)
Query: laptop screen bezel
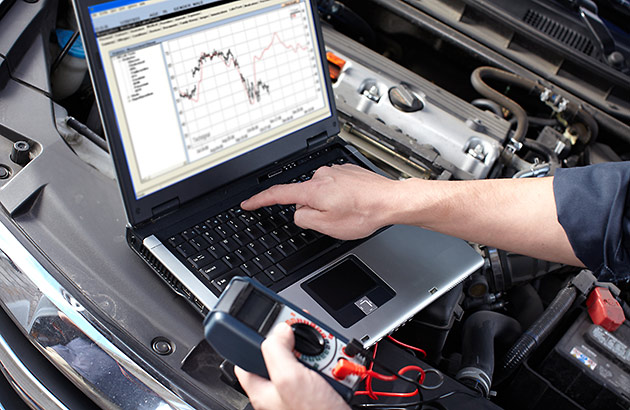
point(140, 210)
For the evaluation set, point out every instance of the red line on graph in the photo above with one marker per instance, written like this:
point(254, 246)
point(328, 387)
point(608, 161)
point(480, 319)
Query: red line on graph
point(252, 89)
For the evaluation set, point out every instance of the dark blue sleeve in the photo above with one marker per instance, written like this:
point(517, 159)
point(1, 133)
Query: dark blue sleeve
point(593, 206)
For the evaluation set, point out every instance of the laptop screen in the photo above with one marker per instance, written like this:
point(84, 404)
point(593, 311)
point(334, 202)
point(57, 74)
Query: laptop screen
point(195, 84)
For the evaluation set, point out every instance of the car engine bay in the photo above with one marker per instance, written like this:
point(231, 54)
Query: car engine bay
point(450, 90)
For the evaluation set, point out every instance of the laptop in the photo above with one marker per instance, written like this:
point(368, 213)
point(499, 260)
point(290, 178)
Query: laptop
point(208, 102)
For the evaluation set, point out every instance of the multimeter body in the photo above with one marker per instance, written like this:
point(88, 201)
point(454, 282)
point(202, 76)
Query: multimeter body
point(245, 314)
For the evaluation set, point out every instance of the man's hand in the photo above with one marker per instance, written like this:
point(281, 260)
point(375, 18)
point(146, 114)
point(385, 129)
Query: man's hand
point(293, 386)
point(348, 202)
point(343, 201)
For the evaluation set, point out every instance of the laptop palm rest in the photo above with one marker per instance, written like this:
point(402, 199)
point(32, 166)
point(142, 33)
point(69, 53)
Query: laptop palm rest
point(415, 267)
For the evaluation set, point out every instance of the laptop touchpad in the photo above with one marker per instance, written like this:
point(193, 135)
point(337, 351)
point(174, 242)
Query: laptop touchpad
point(348, 290)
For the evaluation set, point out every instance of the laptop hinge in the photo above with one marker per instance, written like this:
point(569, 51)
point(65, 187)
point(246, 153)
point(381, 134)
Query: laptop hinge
point(316, 141)
point(165, 208)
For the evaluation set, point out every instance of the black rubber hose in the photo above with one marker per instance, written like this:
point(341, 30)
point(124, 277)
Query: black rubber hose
point(525, 304)
point(87, 133)
point(478, 78)
point(480, 332)
point(590, 122)
point(488, 105)
point(542, 121)
point(535, 335)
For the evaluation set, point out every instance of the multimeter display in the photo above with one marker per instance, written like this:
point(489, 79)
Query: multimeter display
point(255, 310)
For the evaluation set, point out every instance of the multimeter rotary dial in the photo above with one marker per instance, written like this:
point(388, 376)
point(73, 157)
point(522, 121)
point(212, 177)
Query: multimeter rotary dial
point(311, 343)
point(308, 340)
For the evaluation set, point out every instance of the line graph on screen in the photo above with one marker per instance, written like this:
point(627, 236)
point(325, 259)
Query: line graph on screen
point(231, 77)
point(252, 87)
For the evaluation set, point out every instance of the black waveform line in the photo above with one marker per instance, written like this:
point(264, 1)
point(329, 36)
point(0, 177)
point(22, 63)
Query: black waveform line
point(253, 87)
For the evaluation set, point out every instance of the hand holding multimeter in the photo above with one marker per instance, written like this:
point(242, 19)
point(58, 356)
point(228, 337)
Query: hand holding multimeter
point(246, 313)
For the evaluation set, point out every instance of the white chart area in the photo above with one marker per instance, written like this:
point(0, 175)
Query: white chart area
point(238, 80)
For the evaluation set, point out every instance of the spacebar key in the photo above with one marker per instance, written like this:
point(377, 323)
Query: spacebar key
point(301, 257)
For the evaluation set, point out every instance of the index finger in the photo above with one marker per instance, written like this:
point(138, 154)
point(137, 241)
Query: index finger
point(286, 194)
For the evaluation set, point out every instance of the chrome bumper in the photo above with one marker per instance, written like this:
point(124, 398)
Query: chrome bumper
point(68, 336)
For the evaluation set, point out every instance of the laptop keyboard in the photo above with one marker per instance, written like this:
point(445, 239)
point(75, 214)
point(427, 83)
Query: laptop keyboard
point(263, 244)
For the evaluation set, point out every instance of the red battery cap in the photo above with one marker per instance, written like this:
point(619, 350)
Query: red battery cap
point(604, 309)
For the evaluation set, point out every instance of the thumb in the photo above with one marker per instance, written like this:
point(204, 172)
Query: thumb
point(309, 218)
point(282, 334)
point(277, 350)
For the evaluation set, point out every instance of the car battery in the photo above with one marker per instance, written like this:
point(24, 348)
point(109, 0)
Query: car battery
point(591, 365)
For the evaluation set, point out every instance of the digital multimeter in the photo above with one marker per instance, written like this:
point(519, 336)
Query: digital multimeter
point(245, 314)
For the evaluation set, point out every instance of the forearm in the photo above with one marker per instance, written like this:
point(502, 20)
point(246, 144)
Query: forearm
point(515, 215)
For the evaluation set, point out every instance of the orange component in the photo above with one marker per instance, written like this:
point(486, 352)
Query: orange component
point(335, 65)
point(604, 309)
point(345, 368)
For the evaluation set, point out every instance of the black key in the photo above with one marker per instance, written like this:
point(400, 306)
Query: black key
point(276, 221)
point(186, 250)
point(253, 232)
point(304, 255)
point(265, 226)
point(274, 273)
point(256, 247)
point(268, 242)
point(211, 237)
point(223, 217)
point(199, 243)
point(188, 234)
point(271, 209)
point(231, 260)
point(240, 238)
point(244, 254)
point(201, 228)
point(274, 255)
point(236, 225)
point(213, 222)
point(279, 235)
point(263, 279)
point(250, 269)
point(229, 244)
point(222, 281)
point(236, 212)
point(292, 229)
point(296, 242)
point(213, 270)
point(217, 251)
point(248, 219)
point(261, 213)
point(175, 240)
point(285, 249)
point(200, 260)
point(285, 216)
point(262, 262)
point(224, 231)
point(308, 236)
